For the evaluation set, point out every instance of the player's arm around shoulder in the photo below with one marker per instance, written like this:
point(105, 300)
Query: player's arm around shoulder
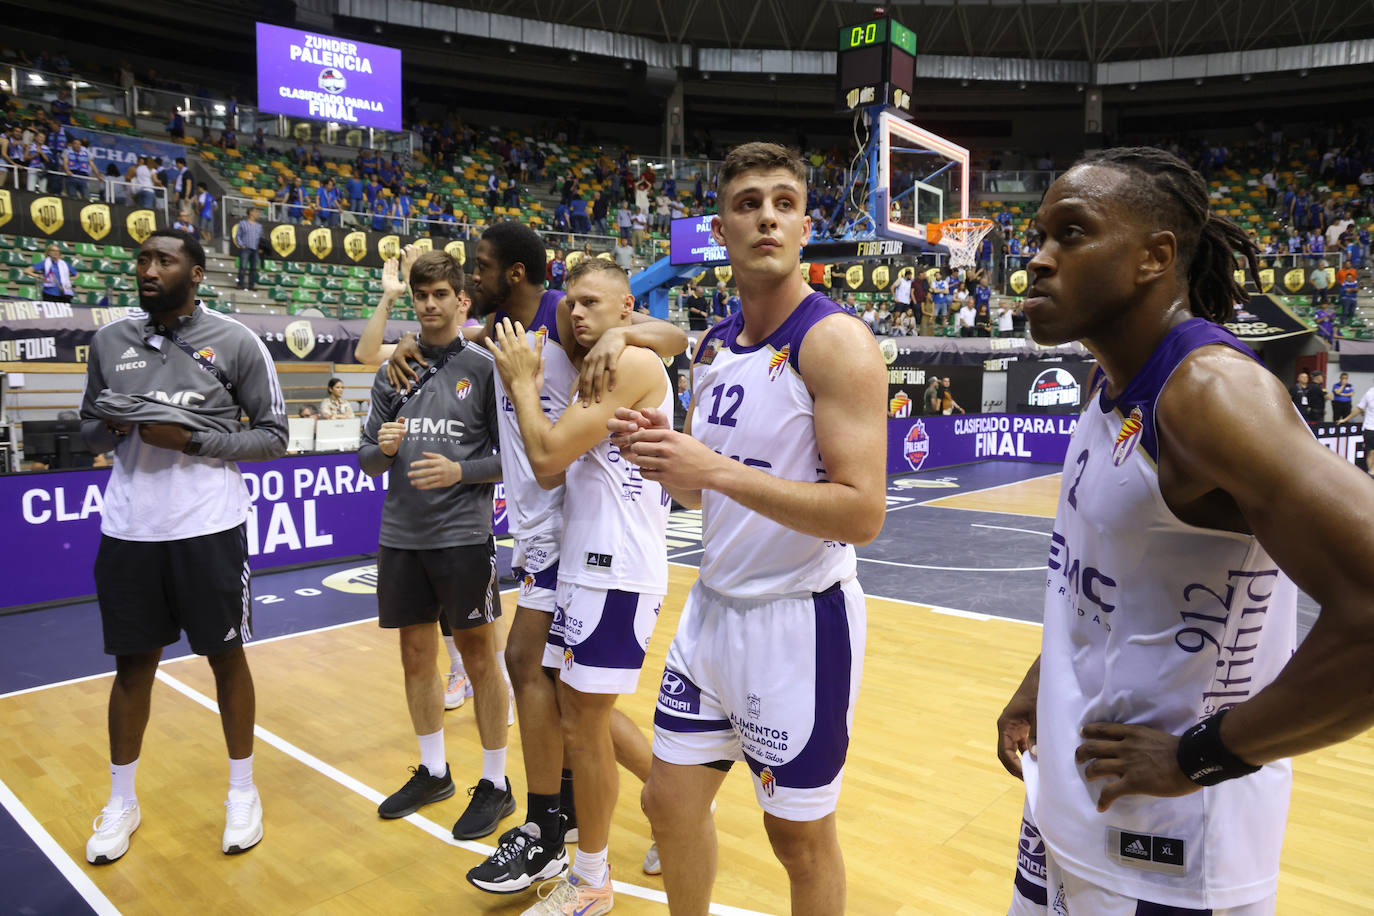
point(580, 428)
point(1226, 423)
point(847, 378)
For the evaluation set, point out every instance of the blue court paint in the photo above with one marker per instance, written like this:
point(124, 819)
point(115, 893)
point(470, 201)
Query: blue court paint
point(33, 884)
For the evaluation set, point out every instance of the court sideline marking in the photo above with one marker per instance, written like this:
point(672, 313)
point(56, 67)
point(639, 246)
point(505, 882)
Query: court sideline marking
point(95, 898)
point(425, 824)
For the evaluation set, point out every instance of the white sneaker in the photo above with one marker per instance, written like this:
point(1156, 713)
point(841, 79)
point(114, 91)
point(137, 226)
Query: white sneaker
point(652, 865)
point(457, 689)
point(116, 823)
point(242, 821)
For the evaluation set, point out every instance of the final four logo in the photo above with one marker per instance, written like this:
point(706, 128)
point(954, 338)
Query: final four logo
point(462, 389)
point(916, 445)
point(778, 362)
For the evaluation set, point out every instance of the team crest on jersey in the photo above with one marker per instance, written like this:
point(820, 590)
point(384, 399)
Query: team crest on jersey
point(462, 389)
point(709, 351)
point(208, 353)
point(916, 445)
point(568, 658)
point(528, 582)
point(778, 363)
point(541, 335)
point(767, 780)
point(1128, 437)
point(899, 407)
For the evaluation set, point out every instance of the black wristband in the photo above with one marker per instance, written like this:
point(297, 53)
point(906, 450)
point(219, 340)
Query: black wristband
point(1204, 759)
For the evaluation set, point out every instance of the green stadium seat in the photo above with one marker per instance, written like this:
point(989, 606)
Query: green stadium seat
point(89, 281)
point(338, 270)
point(293, 267)
point(318, 270)
point(17, 275)
point(331, 283)
point(118, 253)
point(107, 266)
point(303, 295)
point(281, 294)
point(122, 284)
point(353, 286)
point(6, 242)
point(288, 281)
point(86, 249)
point(27, 244)
point(360, 273)
point(374, 287)
point(16, 258)
point(271, 267)
point(328, 298)
point(310, 283)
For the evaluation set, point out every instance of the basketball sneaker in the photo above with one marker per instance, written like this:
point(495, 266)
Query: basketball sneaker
point(521, 858)
point(489, 804)
point(457, 689)
point(242, 821)
point(568, 819)
point(420, 790)
point(116, 823)
point(568, 895)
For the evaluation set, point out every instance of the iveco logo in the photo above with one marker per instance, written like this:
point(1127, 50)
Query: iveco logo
point(672, 684)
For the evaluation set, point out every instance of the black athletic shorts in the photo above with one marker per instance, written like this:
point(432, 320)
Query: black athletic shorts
point(150, 591)
point(414, 586)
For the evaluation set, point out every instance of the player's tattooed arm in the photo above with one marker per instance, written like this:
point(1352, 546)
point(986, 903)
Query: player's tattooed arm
point(1234, 455)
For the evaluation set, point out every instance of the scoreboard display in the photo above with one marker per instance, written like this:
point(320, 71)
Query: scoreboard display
point(876, 65)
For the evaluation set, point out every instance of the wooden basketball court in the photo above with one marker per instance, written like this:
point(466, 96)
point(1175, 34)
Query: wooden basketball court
point(928, 819)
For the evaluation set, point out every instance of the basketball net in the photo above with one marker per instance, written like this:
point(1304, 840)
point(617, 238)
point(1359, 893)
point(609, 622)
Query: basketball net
point(962, 237)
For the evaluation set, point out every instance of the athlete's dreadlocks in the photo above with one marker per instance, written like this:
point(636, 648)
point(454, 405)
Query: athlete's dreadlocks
point(1175, 196)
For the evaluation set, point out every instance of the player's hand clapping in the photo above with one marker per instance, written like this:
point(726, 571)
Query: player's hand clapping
point(434, 472)
point(389, 437)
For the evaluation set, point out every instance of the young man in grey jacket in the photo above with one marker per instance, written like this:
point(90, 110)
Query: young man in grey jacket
point(436, 554)
point(165, 394)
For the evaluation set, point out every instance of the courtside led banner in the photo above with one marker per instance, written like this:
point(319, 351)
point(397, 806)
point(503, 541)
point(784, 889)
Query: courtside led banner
point(690, 242)
point(308, 75)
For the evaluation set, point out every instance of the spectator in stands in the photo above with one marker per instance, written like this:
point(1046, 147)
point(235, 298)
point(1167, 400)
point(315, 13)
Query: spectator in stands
point(1348, 286)
point(1340, 398)
point(401, 209)
point(144, 182)
point(55, 273)
point(39, 161)
point(12, 152)
point(334, 407)
point(447, 221)
point(718, 300)
point(927, 327)
point(624, 255)
point(61, 109)
point(260, 144)
point(600, 209)
point(229, 139)
point(77, 166)
point(982, 321)
point(308, 412)
point(295, 201)
point(698, 316)
point(639, 227)
point(114, 187)
point(556, 270)
point(185, 221)
point(327, 203)
point(381, 214)
point(623, 220)
point(1325, 318)
point(182, 184)
point(901, 290)
point(366, 165)
point(316, 157)
point(176, 127)
point(1321, 283)
point(494, 191)
point(966, 316)
point(562, 218)
point(1310, 403)
point(662, 211)
point(248, 234)
point(1005, 319)
point(206, 203)
point(581, 221)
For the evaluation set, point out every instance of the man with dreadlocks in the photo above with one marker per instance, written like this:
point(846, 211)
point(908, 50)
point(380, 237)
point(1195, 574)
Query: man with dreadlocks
point(1153, 730)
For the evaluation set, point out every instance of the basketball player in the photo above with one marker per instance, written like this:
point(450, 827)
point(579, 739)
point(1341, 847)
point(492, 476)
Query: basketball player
point(436, 554)
point(783, 451)
point(508, 282)
point(1153, 731)
point(614, 569)
point(173, 548)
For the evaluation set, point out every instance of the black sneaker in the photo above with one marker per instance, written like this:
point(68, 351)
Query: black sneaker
point(567, 819)
point(520, 860)
point(489, 804)
point(420, 790)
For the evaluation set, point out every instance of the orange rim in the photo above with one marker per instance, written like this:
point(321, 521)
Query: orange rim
point(965, 226)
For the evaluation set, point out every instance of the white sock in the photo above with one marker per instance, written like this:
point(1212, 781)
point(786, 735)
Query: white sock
point(501, 663)
point(455, 658)
point(241, 774)
point(432, 754)
point(591, 866)
point(122, 782)
point(494, 766)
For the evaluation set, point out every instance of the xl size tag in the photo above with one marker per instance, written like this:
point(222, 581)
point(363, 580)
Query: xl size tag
point(1143, 850)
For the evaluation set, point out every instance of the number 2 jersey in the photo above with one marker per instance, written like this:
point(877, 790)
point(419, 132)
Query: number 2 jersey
point(750, 403)
point(1152, 621)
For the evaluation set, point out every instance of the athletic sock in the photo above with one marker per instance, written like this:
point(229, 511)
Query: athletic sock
point(122, 782)
point(432, 755)
point(494, 766)
point(543, 813)
point(565, 790)
point(591, 866)
point(501, 663)
point(241, 774)
point(455, 659)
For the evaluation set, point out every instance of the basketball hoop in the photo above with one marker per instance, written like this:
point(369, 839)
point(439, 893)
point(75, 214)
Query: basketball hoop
point(961, 236)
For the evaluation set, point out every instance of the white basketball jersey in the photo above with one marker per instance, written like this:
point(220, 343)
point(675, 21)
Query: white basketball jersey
point(1152, 621)
point(530, 507)
point(615, 522)
point(750, 404)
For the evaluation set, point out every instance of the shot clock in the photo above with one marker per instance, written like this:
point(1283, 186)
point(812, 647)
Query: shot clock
point(876, 65)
